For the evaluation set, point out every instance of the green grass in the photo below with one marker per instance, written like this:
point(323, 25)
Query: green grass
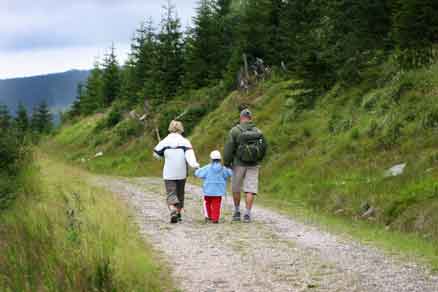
point(63, 235)
point(123, 153)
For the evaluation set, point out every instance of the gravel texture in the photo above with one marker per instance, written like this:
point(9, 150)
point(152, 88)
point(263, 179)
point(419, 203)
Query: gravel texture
point(273, 253)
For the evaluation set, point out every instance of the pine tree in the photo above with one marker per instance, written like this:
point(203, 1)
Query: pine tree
point(169, 65)
point(5, 118)
point(75, 109)
point(144, 54)
point(203, 41)
point(22, 119)
point(92, 99)
point(257, 29)
point(416, 31)
point(129, 89)
point(111, 85)
point(42, 120)
point(300, 36)
point(354, 29)
point(226, 22)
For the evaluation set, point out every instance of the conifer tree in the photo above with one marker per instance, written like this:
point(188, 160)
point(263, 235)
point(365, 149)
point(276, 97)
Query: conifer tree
point(203, 41)
point(257, 29)
point(42, 120)
point(93, 95)
point(111, 81)
point(5, 118)
point(75, 109)
point(22, 119)
point(144, 57)
point(129, 89)
point(169, 66)
point(354, 30)
point(415, 30)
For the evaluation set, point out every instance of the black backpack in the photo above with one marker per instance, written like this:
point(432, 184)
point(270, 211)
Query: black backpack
point(252, 146)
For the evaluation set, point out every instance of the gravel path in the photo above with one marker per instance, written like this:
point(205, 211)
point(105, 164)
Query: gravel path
point(274, 253)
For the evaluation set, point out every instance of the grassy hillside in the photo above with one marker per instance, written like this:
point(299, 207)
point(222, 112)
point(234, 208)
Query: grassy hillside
point(332, 156)
point(329, 152)
point(67, 236)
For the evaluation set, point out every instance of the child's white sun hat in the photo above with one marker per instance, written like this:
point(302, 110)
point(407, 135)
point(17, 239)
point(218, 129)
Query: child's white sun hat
point(215, 155)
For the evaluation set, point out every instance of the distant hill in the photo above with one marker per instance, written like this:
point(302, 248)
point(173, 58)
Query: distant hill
point(58, 89)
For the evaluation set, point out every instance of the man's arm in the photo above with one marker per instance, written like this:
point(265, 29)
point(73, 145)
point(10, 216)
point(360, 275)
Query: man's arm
point(229, 149)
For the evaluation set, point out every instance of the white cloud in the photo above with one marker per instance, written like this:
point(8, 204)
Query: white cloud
point(36, 62)
point(41, 31)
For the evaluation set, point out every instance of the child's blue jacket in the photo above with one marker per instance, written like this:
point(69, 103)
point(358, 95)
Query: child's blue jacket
point(215, 177)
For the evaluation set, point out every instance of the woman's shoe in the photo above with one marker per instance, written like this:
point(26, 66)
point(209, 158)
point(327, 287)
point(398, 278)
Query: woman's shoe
point(173, 217)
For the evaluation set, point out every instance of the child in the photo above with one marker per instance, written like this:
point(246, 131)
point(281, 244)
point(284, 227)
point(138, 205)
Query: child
point(215, 177)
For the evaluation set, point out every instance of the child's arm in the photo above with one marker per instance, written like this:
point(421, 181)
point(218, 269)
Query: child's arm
point(201, 172)
point(228, 173)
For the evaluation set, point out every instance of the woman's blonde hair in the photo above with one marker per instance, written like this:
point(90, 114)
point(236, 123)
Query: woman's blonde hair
point(176, 127)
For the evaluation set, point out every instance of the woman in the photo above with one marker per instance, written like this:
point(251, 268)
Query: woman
point(177, 152)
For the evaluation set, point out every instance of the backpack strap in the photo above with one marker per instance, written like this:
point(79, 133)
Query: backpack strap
point(161, 152)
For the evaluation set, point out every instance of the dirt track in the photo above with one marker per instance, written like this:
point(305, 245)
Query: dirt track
point(274, 253)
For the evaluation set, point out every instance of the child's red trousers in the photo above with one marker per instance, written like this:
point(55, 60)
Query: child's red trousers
point(212, 206)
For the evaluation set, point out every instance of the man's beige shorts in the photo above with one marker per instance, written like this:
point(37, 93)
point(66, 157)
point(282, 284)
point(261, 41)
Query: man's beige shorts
point(245, 179)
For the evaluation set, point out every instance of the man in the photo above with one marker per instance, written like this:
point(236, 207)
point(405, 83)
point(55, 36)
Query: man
point(244, 150)
point(177, 152)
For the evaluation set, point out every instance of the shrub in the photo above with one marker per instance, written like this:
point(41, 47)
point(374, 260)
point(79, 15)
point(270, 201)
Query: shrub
point(373, 129)
point(129, 128)
point(13, 157)
point(114, 117)
point(338, 124)
point(355, 134)
point(430, 119)
point(391, 136)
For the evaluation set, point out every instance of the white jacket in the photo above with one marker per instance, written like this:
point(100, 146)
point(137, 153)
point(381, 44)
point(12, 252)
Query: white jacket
point(177, 152)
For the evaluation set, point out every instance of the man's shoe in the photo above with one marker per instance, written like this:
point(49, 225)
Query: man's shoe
point(246, 218)
point(173, 217)
point(236, 216)
point(179, 217)
point(215, 222)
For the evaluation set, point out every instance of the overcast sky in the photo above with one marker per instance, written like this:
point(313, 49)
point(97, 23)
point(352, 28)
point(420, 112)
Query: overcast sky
point(45, 36)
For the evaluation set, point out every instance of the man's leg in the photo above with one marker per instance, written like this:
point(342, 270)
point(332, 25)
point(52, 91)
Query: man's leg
point(237, 181)
point(249, 200)
point(236, 199)
point(250, 187)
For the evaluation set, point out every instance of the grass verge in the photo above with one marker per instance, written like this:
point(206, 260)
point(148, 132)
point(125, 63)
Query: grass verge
point(67, 236)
